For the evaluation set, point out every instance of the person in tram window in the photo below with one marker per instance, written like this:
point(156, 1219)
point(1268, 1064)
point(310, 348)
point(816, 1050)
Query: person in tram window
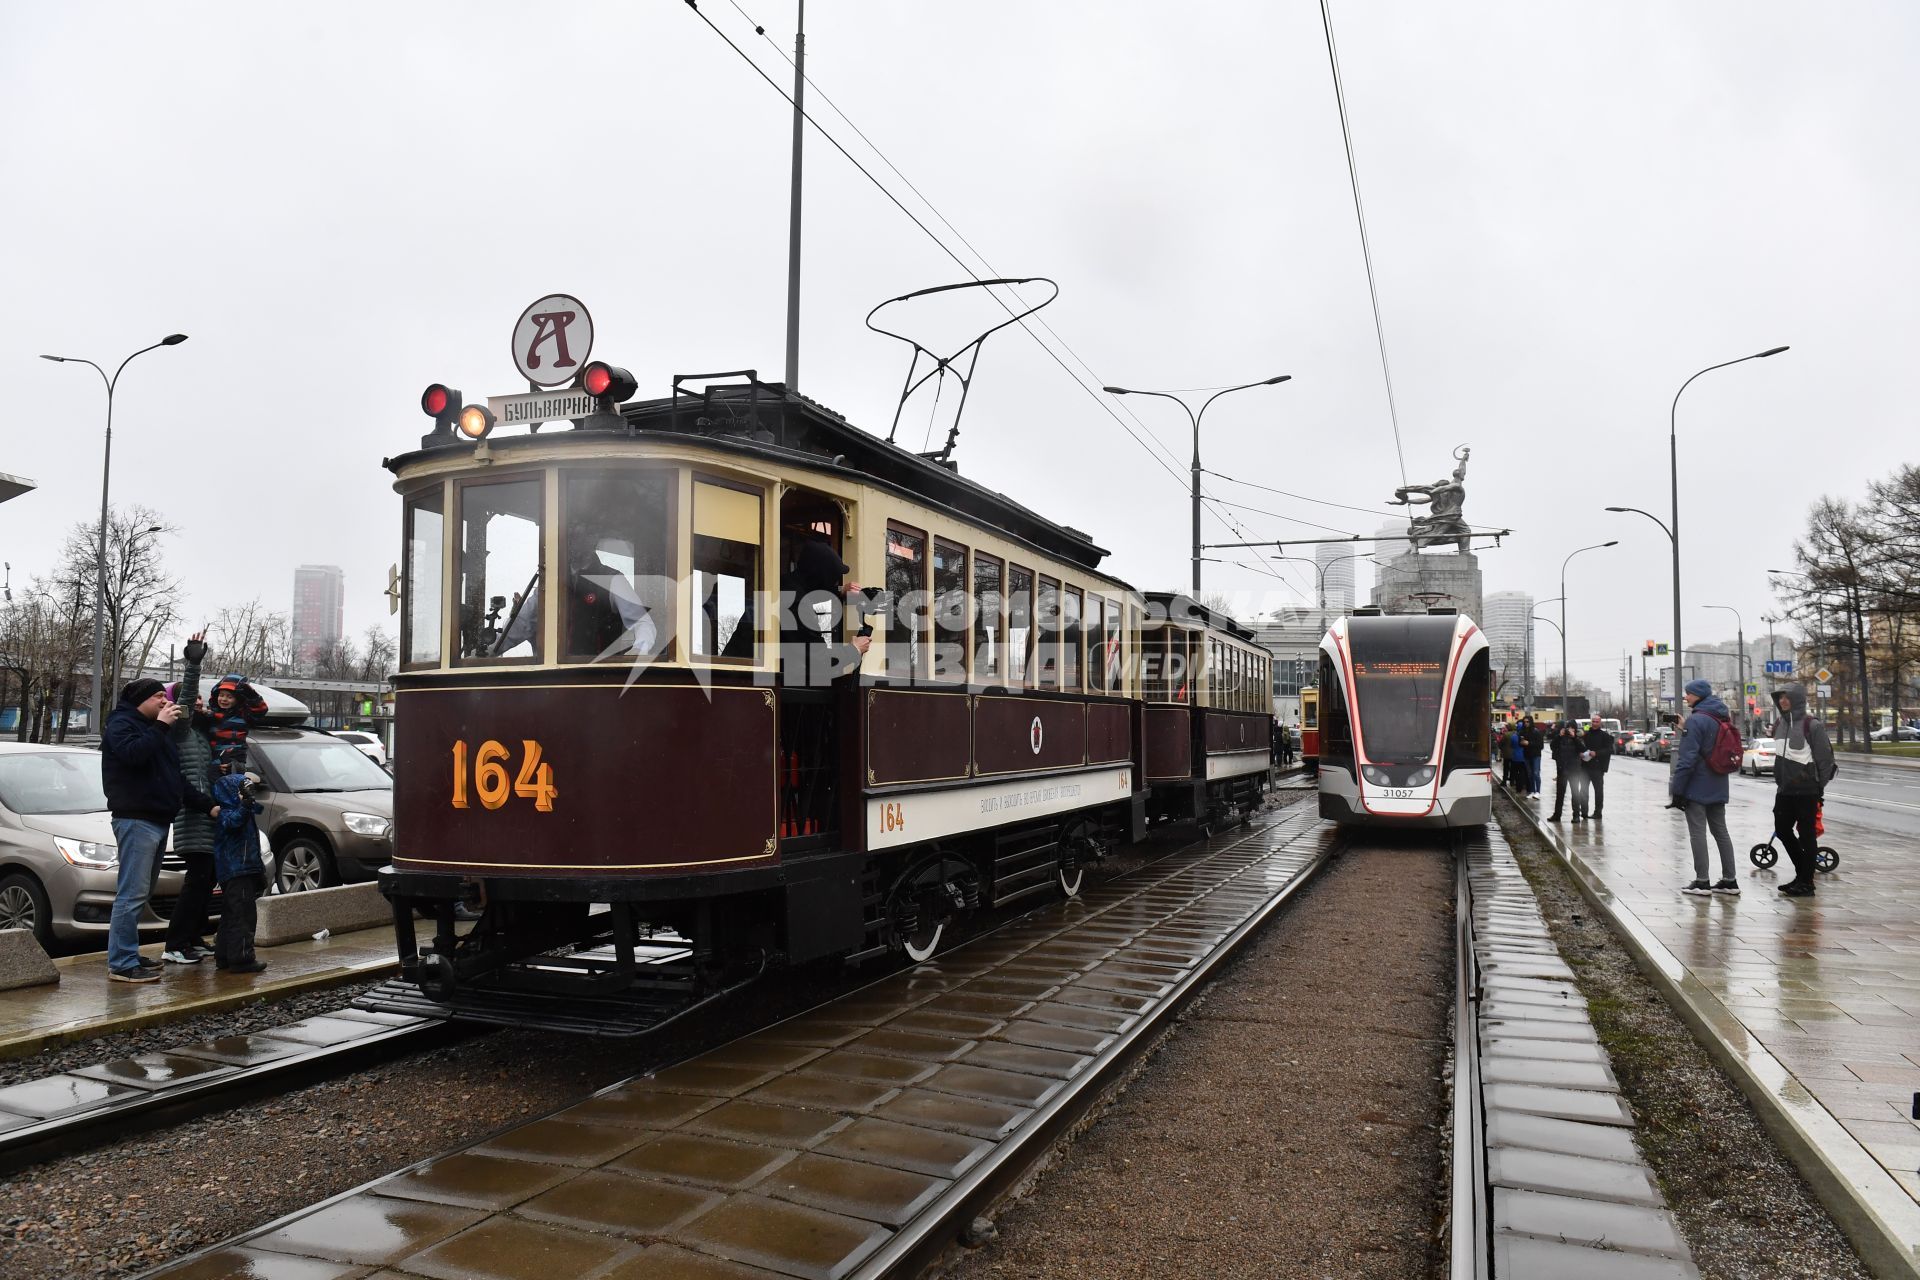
point(813, 599)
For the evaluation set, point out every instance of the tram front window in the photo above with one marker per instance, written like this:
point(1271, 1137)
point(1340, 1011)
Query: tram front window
point(726, 571)
point(426, 542)
point(500, 570)
point(1399, 682)
point(619, 565)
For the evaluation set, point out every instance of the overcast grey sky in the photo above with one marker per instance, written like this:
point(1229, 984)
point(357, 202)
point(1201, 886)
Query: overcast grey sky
point(1572, 209)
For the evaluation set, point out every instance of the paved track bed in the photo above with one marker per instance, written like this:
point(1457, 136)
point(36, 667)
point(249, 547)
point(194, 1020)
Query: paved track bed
point(1744, 1209)
point(1291, 1124)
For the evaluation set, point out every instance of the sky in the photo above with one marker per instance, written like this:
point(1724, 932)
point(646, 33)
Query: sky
point(1571, 210)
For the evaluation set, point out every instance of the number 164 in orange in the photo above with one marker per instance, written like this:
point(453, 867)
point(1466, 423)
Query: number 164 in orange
point(489, 781)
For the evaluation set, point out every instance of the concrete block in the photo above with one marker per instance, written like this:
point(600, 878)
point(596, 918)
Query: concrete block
point(1569, 1175)
point(1544, 1133)
point(1631, 1228)
point(292, 917)
point(22, 962)
point(1526, 1256)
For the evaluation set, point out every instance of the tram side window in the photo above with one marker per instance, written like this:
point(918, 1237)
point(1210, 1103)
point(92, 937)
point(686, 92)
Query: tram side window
point(1070, 610)
point(1469, 729)
point(1019, 625)
point(726, 572)
point(426, 544)
point(949, 610)
point(906, 595)
point(1098, 623)
point(619, 564)
point(500, 596)
point(989, 627)
point(1046, 626)
point(1179, 666)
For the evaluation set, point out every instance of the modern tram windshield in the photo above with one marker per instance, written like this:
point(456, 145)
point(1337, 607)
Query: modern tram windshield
point(1399, 683)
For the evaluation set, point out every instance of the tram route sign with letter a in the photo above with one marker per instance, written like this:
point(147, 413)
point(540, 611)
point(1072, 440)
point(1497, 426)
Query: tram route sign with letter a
point(552, 340)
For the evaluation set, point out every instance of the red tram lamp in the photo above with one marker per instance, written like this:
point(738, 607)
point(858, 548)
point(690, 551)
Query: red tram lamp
point(441, 403)
point(610, 386)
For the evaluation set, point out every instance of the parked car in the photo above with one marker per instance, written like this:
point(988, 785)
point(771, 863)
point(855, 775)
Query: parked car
point(58, 861)
point(1898, 733)
point(328, 808)
point(1661, 747)
point(1758, 757)
point(369, 743)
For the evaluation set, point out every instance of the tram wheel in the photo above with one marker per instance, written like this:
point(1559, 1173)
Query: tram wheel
point(1071, 877)
point(1825, 859)
point(923, 942)
point(1764, 855)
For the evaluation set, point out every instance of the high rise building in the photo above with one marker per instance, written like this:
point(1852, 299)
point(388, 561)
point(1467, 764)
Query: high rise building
point(1391, 540)
point(1335, 563)
point(319, 602)
point(1508, 616)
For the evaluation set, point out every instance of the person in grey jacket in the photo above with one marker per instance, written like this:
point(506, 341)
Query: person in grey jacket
point(1803, 764)
point(1700, 791)
point(193, 831)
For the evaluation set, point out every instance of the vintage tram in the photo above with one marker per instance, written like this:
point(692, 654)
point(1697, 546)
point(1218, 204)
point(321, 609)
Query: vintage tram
point(720, 681)
point(1405, 738)
point(1310, 727)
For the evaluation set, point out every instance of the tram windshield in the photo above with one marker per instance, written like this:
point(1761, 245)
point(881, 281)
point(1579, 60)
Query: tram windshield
point(1399, 682)
point(500, 570)
point(619, 564)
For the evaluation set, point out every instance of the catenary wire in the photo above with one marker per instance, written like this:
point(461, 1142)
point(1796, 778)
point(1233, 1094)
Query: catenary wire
point(1366, 250)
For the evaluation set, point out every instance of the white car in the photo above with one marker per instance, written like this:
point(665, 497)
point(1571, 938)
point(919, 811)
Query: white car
point(1906, 733)
point(369, 744)
point(1758, 757)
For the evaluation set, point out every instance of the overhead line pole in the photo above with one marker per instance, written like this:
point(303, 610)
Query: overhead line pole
point(793, 214)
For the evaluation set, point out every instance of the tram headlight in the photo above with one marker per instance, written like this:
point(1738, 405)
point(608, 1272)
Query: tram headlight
point(475, 421)
point(370, 825)
point(1421, 776)
point(1374, 774)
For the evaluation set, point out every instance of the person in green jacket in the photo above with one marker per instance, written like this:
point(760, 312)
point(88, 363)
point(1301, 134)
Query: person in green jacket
point(193, 832)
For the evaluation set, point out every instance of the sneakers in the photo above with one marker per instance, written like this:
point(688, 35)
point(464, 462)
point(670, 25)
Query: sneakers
point(187, 956)
point(1553, 817)
point(1731, 887)
point(1797, 889)
point(143, 963)
point(132, 975)
point(1699, 888)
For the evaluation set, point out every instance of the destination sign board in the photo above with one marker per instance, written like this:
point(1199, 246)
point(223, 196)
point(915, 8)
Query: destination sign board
point(541, 406)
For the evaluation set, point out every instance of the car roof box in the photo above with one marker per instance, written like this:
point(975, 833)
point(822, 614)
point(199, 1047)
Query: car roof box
point(284, 711)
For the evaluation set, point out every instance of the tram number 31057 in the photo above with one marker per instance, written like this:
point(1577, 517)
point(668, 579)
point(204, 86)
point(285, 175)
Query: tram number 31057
point(489, 779)
point(1399, 793)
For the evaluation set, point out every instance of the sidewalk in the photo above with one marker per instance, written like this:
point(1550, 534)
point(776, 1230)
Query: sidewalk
point(86, 1004)
point(1812, 1005)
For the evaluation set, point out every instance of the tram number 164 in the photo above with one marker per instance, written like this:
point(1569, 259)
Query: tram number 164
point(893, 818)
point(489, 779)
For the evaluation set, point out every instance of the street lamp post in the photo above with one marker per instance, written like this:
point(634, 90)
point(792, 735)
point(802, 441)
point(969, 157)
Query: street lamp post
point(1556, 626)
point(1320, 571)
point(97, 711)
point(1195, 418)
point(1566, 688)
point(1740, 642)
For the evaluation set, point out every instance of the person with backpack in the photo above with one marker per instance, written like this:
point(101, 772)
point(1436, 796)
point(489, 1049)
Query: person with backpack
point(1803, 764)
point(1706, 752)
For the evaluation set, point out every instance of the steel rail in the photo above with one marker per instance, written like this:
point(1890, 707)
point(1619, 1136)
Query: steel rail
point(1469, 1219)
point(120, 1118)
point(918, 1246)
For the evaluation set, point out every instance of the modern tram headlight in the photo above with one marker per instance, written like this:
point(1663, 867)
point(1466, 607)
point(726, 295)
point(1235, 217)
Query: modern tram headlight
point(1375, 774)
point(1421, 776)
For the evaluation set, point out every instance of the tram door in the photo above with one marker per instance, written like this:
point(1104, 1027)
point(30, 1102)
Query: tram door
point(814, 659)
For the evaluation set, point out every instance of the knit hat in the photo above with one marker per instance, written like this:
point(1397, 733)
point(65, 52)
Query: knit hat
point(138, 691)
point(1699, 688)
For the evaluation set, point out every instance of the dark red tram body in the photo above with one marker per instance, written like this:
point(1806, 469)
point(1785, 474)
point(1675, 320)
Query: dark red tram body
point(613, 726)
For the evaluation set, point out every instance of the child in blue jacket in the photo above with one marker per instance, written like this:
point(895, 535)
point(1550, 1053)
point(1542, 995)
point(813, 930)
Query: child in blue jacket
point(241, 873)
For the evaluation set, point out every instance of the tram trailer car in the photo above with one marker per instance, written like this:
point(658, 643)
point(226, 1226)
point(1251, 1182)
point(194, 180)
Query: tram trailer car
point(1206, 762)
point(607, 742)
point(1405, 739)
point(1310, 727)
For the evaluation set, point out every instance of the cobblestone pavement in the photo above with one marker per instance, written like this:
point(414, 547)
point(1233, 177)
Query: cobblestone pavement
point(1818, 997)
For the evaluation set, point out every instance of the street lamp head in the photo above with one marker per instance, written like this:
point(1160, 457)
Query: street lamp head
point(1116, 391)
point(55, 359)
point(1285, 377)
point(1614, 543)
point(175, 339)
point(1774, 351)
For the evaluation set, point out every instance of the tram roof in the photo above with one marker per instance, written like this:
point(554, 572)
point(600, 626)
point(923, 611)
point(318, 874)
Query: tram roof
point(765, 420)
point(1184, 608)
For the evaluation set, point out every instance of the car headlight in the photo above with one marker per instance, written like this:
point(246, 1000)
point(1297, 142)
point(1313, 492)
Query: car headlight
point(1374, 774)
point(1421, 776)
point(88, 853)
point(371, 825)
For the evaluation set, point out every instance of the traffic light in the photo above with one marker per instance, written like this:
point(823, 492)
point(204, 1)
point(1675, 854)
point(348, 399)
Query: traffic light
point(610, 386)
point(441, 403)
point(1648, 651)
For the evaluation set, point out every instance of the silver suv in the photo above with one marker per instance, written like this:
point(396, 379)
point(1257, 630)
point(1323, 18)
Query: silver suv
point(328, 808)
point(58, 861)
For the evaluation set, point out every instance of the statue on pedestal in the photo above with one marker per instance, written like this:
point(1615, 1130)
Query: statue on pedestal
point(1443, 522)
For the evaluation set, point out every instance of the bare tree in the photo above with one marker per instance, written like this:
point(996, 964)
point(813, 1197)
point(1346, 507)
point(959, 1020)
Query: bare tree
point(138, 595)
point(1838, 556)
point(251, 639)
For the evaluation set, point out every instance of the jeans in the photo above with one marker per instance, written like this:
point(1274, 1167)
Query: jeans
point(1574, 780)
point(1797, 811)
point(1700, 819)
point(139, 844)
point(238, 916)
point(1533, 774)
point(190, 910)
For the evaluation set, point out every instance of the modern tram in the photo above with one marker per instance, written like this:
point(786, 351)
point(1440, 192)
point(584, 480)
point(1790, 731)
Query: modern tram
point(714, 683)
point(1405, 735)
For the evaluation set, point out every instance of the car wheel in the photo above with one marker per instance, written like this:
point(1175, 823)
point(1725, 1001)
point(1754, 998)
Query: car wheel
point(303, 863)
point(23, 905)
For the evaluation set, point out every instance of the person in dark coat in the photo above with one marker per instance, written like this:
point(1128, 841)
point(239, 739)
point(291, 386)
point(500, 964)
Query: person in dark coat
point(1803, 765)
point(140, 771)
point(1598, 755)
point(1569, 772)
point(242, 875)
point(192, 829)
point(1700, 791)
point(1536, 743)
